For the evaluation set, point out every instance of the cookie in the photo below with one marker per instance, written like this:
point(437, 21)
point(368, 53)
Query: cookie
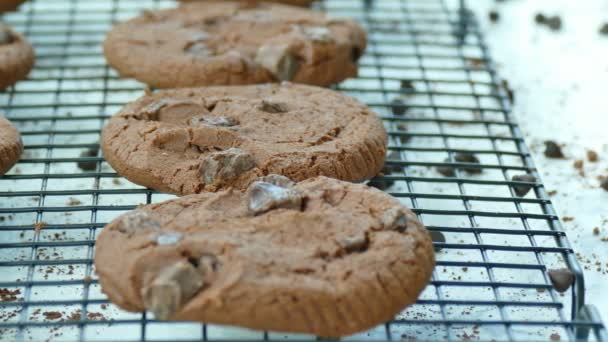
point(10, 5)
point(11, 145)
point(185, 141)
point(16, 57)
point(322, 256)
point(288, 2)
point(232, 43)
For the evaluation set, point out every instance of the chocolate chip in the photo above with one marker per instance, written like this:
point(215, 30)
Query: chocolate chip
point(274, 107)
point(394, 219)
point(554, 23)
point(223, 165)
point(88, 165)
point(6, 36)
point(407, 86)
point(561, 279)
point(278, 180)
point(493, 16)
point(317, 34)
point(461, 157)
point(540, 18)
point(398, 107)
point(171, 289)
point(216, 121)
point(278, 60)
point(604, 183)
point(356, 53)
point(380, 184)
point(198, 49)
point(169, 238)
point(553, 150)
point(437, 237)
point(604, 29)
point(592, 156)
point(356, 243)
point(263, 196)
point(522, 190)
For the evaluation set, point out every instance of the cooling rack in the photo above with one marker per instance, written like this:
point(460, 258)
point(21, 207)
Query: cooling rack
point(428, 74)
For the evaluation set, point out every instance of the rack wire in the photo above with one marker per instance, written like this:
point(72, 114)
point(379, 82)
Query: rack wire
point(427, 72)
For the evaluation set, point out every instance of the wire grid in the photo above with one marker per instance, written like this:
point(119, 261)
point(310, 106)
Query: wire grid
point(490, 281)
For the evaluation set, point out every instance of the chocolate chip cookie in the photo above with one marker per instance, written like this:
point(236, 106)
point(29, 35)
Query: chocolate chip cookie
point(322, 256)
point(235, 43)
point(16, 57)
point(185, 141)
point(10, 145)
point(10, 5)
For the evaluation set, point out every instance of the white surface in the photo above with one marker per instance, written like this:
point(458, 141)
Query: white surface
point(560, 81)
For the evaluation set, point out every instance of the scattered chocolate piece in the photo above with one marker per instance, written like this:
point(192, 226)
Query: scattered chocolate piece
point(213, 121)
point(493, 16)
point(604, 184)
point(578, 164)
point(437, 237)
point(522, 190)
point(568, 218)
point(553, 150)
point(224, 165)
point(357, 243)
point(394, 219)
point(278, 60)
point(552, 192)
point(265, 196)
point(274, 107)
point(88, 165)
point(554, 23)
point(540, 18)
point(407, 86)
point(604, 29)
point(6, 37)
point(461, 157)
point(561, 279)
point(398, 107)
point(555, 337)
point(52, 314)
point(592, 156)
point(596, 231)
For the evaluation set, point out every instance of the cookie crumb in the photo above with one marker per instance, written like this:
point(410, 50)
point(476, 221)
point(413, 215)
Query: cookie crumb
point(398, 106)
point(561, 279)
point(522, 190)
point(52, 314)
point(592, 156)
point(604, 29)
point(540, 18)
point(596, 231)
point(88, 165)
point(604, 183)
point(552, 193)
point(74, 201)
point(38, 227)
point(493, 16)
point(568, 218)
point(555, 337)
point(578, 164)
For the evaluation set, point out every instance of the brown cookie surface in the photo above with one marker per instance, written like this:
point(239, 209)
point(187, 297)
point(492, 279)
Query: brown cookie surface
point(322, 256)
point(185, 141)
point(10, 145)
point(232, 43)
point(16, 57)
point(10, 5)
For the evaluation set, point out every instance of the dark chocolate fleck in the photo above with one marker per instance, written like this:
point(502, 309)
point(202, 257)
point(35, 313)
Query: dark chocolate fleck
point(522, 190)
point(437, 237)
point(604, 184)
point(554, 23)
point(540, 18)
point(553, 150)
point(561, 278)
point(493, 16)
point(461, 157)
point(88, 165)
point(398, 107)
point(604, 29)
point(407, 86)
point(356, 53)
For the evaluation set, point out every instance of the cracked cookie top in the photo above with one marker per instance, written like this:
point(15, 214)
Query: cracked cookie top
point(322, 256)
point(192, 140)
point(234, 43)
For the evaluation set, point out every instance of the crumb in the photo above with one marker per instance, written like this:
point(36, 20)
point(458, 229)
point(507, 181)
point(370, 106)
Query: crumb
point(493, 16)
point(604, 29)
point(555, 337)
point(553, 150)
point(7, 295)
point(74, 201)
point(87, 280)
point(38, 227)
point(578, 164)
point(540, 18)
point(568, 218)
point(95, 315)
point(554, 23)
point(592, 156)
point(116, 181)
point(86, 165)
point(477, 63)
point(507, 88)
point(596, 231)
point(552, 192)
point(52, 314)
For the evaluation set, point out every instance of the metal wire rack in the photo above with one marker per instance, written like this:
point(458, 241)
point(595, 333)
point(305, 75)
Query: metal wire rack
point(427, 72)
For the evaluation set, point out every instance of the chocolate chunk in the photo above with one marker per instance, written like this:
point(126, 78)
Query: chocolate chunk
point(356, 53)
point(137, 221)
point(318, 34)
point(274, 107)
point(553, 150)
point(522, 190)
point(265, 196)
point(604, 29)
point(198, 49)
point(171, 289)
point(493, 16)
point(380, 184)
point(604, 183)
point(561, 279)
point(355, 243)
point(170, 238)
point(407, 86)
point(554, 23)
point(225, 165)
point(398, 107)
point(278, 60)
point(216, 121)
point(461, 157)
point(394, 219)
point(540, 18)
point(278, 180)
point(510, 92)
point(88, 165)
point(6, 36)
point(437, 237)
